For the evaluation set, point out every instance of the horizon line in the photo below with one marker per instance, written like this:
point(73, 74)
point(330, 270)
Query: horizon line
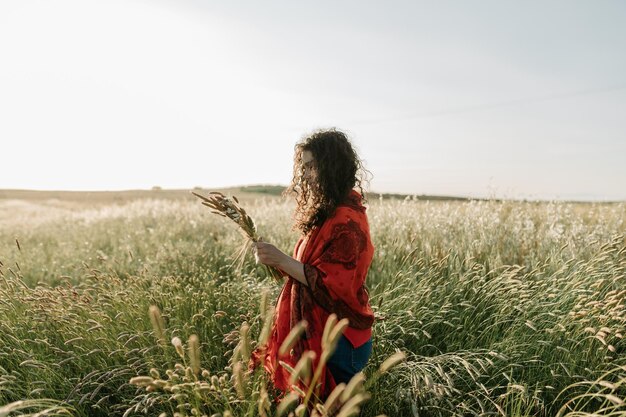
point(393, 194)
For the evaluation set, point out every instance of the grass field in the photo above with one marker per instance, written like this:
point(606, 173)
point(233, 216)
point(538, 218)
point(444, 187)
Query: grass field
point(503, 308)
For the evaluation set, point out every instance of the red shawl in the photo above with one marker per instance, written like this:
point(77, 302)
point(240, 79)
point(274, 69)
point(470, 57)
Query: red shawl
point(336, 258)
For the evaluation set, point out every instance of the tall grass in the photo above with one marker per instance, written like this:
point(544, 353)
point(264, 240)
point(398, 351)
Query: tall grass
point(503, 308)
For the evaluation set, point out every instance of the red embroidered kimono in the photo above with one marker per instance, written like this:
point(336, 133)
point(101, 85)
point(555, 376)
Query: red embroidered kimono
point(336, 258)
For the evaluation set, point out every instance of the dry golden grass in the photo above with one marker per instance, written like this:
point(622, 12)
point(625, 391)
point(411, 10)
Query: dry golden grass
point(502, 308)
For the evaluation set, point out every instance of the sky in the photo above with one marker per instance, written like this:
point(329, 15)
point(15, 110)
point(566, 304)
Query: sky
point(507, 99)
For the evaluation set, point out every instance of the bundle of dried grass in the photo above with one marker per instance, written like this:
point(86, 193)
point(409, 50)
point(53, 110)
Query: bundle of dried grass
point(230, 208)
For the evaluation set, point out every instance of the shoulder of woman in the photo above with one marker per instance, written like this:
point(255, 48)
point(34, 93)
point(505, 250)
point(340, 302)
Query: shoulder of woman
point(343, 214)
point(351, 211)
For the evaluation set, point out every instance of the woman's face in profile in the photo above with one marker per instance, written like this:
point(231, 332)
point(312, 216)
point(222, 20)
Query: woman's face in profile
point(308, 165)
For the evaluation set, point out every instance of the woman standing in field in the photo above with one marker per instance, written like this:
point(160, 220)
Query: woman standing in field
point(329, 265)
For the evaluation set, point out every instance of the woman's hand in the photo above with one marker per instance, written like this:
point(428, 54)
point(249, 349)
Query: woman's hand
point(268, 254)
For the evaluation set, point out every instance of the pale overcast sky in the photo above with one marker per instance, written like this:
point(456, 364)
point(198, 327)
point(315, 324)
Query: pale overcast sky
point(523, 99)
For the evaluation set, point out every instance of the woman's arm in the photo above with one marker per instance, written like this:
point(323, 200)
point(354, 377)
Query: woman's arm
point(270, 255)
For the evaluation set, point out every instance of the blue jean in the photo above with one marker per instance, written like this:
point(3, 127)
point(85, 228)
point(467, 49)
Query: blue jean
point(346, 361)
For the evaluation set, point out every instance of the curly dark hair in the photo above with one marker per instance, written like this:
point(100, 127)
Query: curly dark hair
point(338, 169)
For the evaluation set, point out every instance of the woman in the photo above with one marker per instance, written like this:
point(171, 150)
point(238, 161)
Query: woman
point(329, 265)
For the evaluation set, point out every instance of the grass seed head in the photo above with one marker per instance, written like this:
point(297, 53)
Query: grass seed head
point(355, 386)
point(287, 403)
point(244, 341)
point(157, 324)
point(352, 407)
point(240, 385)
point(392, 361)
point(292, 338)
point(330, 324)
point(178, 345)
point(141, 381)
point(332, 402)
point(335, 335)
point(194, 353)
point(302, 370)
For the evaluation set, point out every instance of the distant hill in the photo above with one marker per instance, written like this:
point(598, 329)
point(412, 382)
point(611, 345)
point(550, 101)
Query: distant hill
point(158, 192)
point(263, 189)
point(244, 191)
point(278, 190)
